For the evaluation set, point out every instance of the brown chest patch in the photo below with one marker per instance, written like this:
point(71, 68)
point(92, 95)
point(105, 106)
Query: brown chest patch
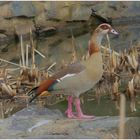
point(93, 49)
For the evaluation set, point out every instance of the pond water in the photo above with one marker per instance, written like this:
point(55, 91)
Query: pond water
point(106, 107)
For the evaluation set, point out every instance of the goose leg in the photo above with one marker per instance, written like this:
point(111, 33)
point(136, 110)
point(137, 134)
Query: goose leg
point(80, 114)
point(69, 112)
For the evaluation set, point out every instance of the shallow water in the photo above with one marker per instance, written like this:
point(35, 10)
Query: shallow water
point(106, 107)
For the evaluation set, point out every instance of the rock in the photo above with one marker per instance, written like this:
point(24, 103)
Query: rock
point(5, 8)
point(69, 11)
point(47, 32)
point(23, 27)
point(80, 13)
point(22, 8)
point(4, 2)
point(39, 7)
point(35, 122)
point(3, 38)
point(53, 10)
point(4, 48)
point(26, 9)
point(6, 26)
point(132, 128)
point(40, 20)
point(34, 111)
point(19, 15)
point(26, 120)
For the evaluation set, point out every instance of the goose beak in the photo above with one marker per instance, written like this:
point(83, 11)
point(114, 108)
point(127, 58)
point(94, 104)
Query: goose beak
point(114, 32)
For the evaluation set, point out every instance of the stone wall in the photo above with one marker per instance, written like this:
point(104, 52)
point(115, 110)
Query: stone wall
point(50, 18)
point(27, 14)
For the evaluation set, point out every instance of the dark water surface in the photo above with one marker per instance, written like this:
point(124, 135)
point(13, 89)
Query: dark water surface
point(106, 107)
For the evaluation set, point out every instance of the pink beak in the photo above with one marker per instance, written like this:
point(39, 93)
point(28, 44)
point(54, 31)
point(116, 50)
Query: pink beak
point(113, 32)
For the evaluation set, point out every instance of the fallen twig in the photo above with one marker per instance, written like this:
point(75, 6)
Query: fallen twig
point(13, 63)
point(51, 66)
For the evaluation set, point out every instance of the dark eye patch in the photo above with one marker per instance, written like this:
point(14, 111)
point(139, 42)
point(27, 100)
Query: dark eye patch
point(104, 27)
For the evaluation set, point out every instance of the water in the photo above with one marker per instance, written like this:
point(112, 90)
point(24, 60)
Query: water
point(106, 107)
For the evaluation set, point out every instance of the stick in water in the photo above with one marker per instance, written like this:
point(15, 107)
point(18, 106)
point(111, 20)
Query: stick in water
point(27, 56)
point(33, 51)
point(22, 51)
point(42, 55)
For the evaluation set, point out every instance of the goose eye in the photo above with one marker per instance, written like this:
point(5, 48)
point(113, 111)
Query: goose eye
point(104, 27)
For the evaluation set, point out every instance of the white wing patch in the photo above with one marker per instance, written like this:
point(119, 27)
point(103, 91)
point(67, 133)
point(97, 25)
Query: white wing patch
point(66, 76)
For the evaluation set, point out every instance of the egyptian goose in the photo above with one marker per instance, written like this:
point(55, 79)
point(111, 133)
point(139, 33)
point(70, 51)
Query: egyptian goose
point(79, 77)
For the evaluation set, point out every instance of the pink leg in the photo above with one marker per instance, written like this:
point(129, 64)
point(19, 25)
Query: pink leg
point(80, 114)
point(69, 112)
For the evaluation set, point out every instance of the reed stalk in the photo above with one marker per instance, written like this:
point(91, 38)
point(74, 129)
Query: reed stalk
point(2, 109)
point(33, 51)
point(27, 55)
point(122, 116)
point(13, 63)
point(22, 51)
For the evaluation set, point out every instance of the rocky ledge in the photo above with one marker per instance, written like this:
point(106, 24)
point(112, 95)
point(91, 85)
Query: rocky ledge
point(36, 122)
